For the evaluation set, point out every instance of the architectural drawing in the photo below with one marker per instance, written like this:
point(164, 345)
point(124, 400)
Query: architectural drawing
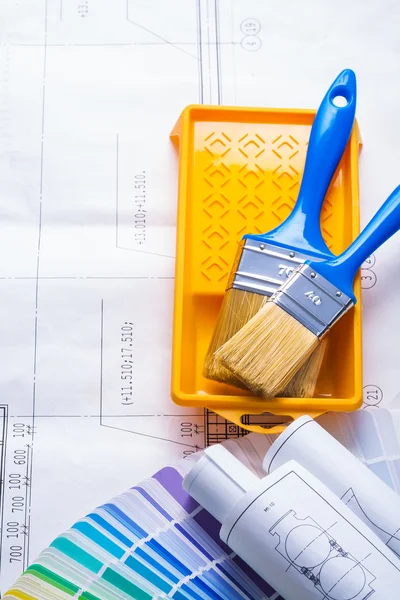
point(391, 539)
point(315, 553)
point(88, 228)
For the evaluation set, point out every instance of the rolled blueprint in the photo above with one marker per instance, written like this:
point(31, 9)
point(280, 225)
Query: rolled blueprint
point(359, 488)
point(293, 531)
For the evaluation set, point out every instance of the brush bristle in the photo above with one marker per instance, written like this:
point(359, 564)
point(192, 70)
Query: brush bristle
point(267, 352)
point(305, 380)
point(237, 308)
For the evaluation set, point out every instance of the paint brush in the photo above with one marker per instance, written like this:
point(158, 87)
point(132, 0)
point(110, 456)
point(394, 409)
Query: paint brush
point(276, 342)
point(263, 262)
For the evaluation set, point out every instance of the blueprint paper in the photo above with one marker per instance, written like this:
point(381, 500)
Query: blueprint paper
point(307, 543)
point(89, 92)
point(368, 497)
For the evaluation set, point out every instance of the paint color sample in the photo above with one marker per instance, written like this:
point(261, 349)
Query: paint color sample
point(153, 541)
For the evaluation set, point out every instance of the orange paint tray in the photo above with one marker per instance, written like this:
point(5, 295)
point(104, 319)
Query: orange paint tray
point(239, 172)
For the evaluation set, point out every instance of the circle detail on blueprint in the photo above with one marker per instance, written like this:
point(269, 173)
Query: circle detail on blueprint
point(373, 395)
point(307, 546)
point(369, 262)
point(342, 578)
point(368, 279)
point(250, 26)
point(251, 43)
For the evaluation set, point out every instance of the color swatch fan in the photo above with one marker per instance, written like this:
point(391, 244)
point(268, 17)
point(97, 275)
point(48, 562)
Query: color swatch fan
point(155, 541)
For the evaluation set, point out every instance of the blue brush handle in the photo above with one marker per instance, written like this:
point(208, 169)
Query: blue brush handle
point(329, 135)
point(340, 271)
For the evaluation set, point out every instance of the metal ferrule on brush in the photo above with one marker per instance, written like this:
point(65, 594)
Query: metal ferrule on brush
point(262, 268)
point(312, 300)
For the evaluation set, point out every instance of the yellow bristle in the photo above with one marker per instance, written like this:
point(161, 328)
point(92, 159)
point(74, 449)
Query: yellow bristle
point(305, 380)
point(237, 308)
point(267, 352)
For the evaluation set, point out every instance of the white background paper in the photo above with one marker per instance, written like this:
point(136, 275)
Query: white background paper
point(89, 91)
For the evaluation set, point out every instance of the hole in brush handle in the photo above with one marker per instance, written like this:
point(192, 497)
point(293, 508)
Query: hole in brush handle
point(340, 101)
